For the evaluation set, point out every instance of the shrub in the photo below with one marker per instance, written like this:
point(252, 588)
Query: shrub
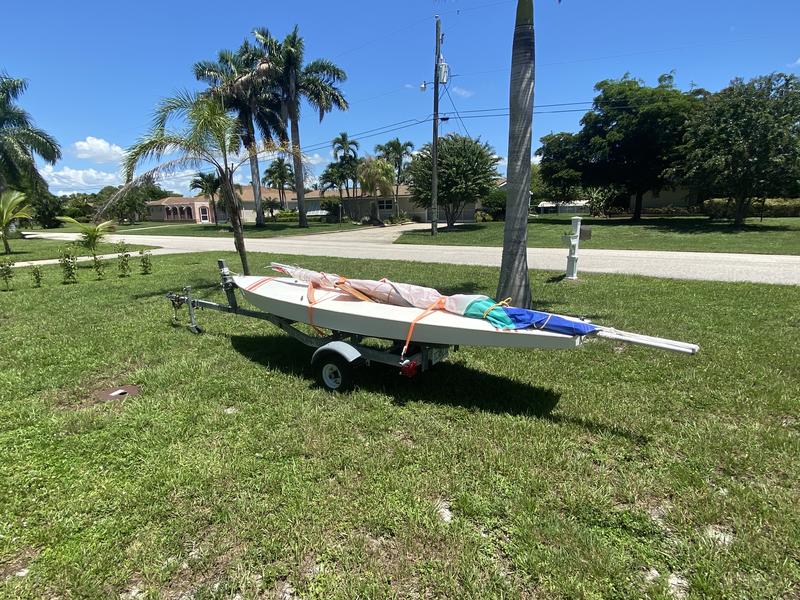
point(36, 274)
point(99, 267)
point(69, 264)
point(124, 256)
point(146, 262)
point(483, 217)
point(494, 205)
point(720, 208)
point(7, 272)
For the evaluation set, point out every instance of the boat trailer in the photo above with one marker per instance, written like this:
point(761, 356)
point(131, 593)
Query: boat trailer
point(336, 356)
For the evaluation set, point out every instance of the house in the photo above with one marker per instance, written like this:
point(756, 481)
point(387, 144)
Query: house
point(197, 209)
point(181, 209)
point(360, 206)
point(672, 197)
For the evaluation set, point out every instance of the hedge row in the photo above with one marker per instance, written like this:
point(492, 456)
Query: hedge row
point(720, 208)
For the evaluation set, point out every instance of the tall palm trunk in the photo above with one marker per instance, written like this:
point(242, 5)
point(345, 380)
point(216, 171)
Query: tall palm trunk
point(514, 281)
point(255, 176)
point(298, 169)
point(6, 247)
point(229, 196)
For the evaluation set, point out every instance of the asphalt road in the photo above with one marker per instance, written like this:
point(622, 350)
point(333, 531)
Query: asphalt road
point(377, 243)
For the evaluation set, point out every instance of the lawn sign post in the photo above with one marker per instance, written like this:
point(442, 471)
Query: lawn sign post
point(573, 240)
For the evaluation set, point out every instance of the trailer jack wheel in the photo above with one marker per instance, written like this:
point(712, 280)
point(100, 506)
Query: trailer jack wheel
point(334, 373)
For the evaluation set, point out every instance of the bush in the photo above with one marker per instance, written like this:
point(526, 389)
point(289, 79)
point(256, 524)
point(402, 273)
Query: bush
point(7, 272)
point(720, 208)
point(483, 216)
point(69, 264)
point(673, 211)
point(494, 205)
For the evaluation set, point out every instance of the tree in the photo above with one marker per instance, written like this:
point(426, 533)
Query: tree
point(345, 151)
point(239, 79)
point(207, 184)
point(514, 280)
point(21, 142)
point(376, 176)
point(396, 152)
point(631, 135)
point(744, 143)
point(46, 206)
point(561, 166)
point(333, 177)
point(210, 135)
point(291, 80)
point(278, 175)
point(467, 170)
point(12, 207)
point(91, 233)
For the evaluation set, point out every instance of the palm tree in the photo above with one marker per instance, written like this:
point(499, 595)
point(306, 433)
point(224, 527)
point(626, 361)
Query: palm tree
point(345, 151)
point(396, 152)
point(232, 76)
point(208, 185)
point(20, 141)
point(278, 175)
point(91, 233)
point(12, 207)
point(292, 81)
point(514, 280)
point(376, 175)
point(210, 135)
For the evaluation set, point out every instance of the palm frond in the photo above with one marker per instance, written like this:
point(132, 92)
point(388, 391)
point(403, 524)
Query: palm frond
point(174, 107)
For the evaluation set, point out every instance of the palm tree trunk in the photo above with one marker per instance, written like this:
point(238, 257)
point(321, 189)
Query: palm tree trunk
point(514, 281)
point(6, 246)
point(298, 170)
point(255, 176)
point(229, 197)
point(739, 216)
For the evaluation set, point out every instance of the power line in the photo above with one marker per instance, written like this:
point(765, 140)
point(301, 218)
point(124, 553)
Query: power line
point(447, 91)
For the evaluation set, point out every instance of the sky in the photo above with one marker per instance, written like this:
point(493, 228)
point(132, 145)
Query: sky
point(96, 70)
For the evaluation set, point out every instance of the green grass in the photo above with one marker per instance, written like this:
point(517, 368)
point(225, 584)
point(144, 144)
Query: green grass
point(568, 473)
point(695, 234)
point(40, 249)
point(250, 230)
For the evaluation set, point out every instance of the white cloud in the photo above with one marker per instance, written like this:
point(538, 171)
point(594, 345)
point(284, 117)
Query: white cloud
point(462, 92)
point(537, 159)
point(67, 179)
point(315, 159)
point(795, 64)
point(98, 150)
point(503, 160)
point(409, 86)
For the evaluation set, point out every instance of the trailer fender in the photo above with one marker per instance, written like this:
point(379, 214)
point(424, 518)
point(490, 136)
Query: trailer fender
point(343, 349)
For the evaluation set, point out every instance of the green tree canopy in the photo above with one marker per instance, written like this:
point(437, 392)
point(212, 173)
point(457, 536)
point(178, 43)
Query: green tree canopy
point(21, 142)
point(629, 139)
point(745, 141)
point(376, 175)
point(467, 172)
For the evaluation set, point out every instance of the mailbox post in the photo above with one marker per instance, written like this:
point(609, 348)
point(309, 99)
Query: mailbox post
point(573, 240)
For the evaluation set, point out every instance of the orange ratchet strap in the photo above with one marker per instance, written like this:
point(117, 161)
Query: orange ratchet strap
point(438, 305)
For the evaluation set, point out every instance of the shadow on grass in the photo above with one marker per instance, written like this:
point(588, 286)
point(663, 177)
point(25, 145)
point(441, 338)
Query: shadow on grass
point(198, 285)
point(448, 384)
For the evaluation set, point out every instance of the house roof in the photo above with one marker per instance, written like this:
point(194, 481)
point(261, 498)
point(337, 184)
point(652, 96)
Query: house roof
point(177, 200)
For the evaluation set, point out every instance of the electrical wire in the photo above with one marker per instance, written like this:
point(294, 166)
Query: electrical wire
point(447, 91)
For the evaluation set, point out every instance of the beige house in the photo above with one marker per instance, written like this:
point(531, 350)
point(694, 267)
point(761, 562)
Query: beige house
point(197, 209)
point(677, 197)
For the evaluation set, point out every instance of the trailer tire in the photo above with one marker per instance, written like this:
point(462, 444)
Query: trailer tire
point(334, 373)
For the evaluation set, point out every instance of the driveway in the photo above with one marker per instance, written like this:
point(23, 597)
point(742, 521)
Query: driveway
point(377, 243)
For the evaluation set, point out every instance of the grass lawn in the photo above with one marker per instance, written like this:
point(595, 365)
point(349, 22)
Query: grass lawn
point(567, 474)
point(250, 230)
point(697, 234)
point(39, 249)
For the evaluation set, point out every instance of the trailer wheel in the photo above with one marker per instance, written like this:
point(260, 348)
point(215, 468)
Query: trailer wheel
point(334, 373)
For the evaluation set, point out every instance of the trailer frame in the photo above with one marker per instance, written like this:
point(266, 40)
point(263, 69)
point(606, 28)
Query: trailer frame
point(336, 356)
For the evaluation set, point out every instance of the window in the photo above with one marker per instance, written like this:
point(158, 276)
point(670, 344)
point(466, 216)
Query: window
point(385, 204)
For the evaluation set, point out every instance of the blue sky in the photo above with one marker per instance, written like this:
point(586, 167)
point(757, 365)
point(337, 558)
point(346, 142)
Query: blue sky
point(97, 69)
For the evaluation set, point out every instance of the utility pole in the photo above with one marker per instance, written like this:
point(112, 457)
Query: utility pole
point(435, 143)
